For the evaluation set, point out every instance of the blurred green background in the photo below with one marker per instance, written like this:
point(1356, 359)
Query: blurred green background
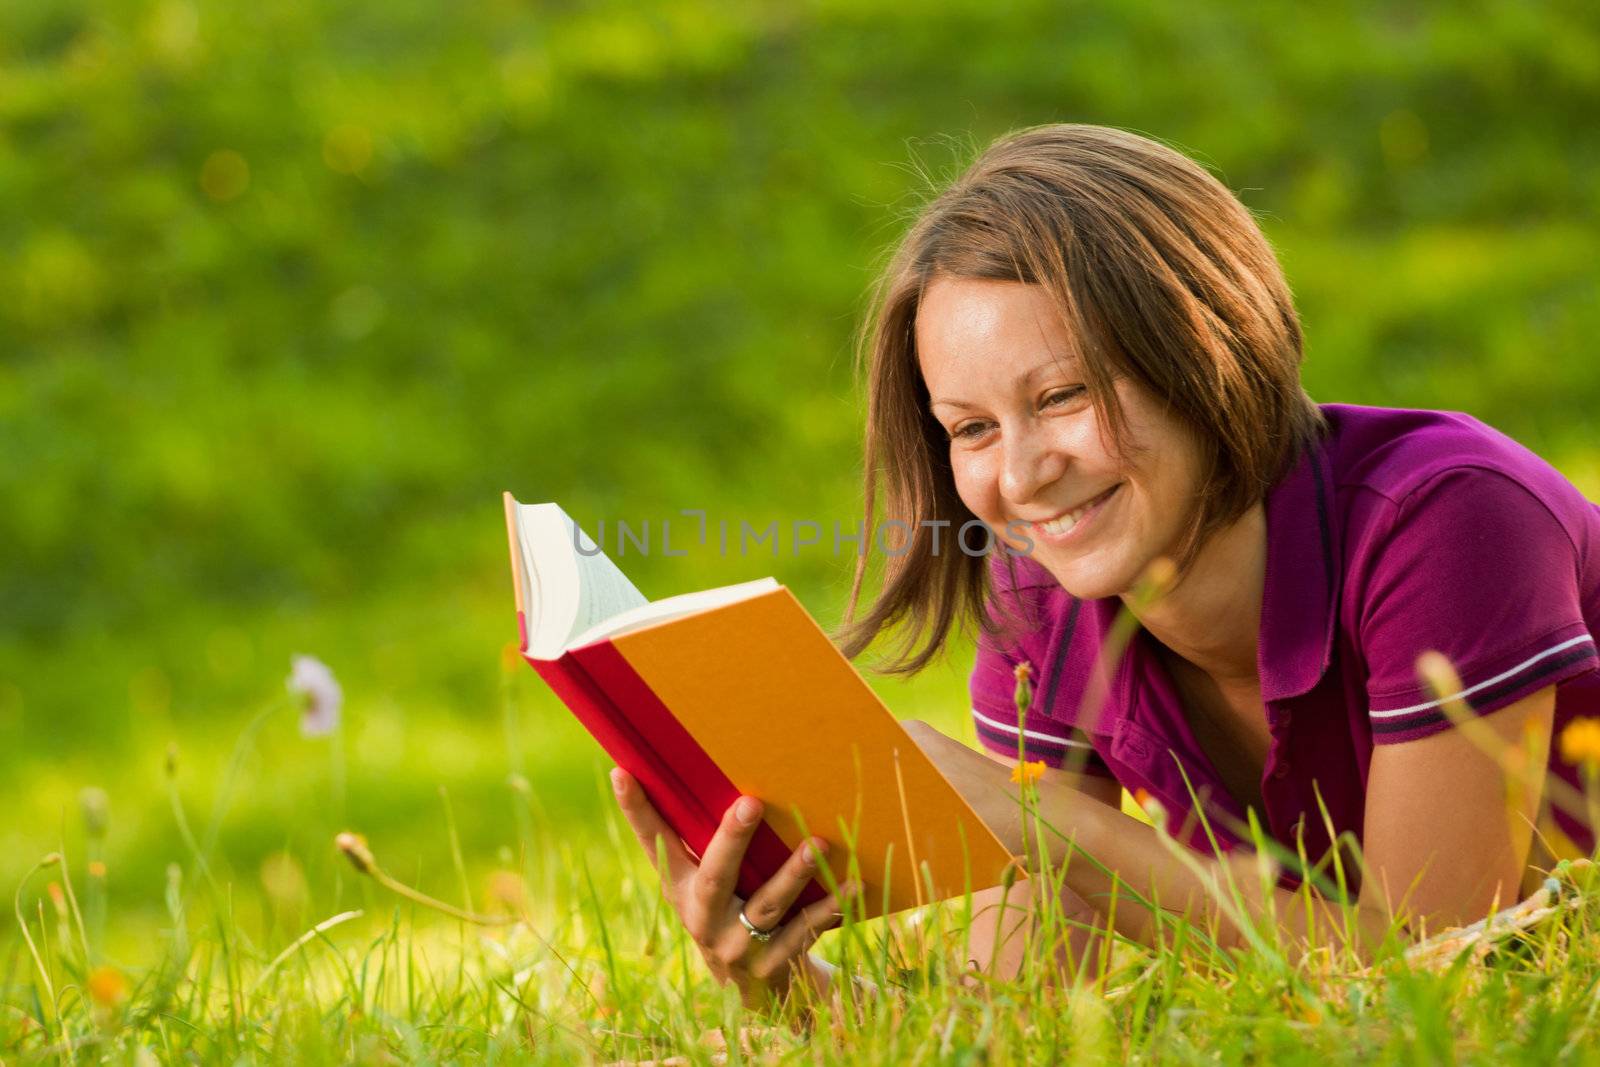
point(289, 291)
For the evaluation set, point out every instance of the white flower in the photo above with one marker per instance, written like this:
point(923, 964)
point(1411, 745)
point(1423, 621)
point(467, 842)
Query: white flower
point(312, 681)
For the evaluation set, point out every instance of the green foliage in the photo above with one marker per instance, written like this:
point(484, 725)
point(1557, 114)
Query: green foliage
point(291, 290)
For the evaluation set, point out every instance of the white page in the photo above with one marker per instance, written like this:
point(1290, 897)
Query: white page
point(674, 607)
point(571, 591)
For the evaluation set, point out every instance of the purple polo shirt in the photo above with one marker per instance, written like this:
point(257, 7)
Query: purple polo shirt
point(1402, 531)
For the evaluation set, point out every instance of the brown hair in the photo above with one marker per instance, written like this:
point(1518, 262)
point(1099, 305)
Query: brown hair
point(1160, 275)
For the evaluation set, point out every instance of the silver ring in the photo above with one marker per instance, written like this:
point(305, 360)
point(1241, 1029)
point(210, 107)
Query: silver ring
point(762, 936)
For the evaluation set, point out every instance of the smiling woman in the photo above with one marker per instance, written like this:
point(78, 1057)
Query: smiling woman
point(1086, 344)
point(1113, 258)
point(1025, 446)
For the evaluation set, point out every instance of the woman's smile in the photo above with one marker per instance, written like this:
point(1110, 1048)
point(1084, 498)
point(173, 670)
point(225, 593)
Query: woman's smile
point(1069, 527)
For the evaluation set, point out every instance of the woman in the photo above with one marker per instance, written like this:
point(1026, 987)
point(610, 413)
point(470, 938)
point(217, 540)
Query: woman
point(1087, 334)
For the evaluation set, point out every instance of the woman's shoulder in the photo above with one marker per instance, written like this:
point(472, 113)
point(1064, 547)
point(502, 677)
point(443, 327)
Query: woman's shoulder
point(1459, 541)
point(1401, 456)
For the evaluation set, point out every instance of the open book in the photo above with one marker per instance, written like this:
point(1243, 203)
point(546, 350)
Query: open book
point(709, 695)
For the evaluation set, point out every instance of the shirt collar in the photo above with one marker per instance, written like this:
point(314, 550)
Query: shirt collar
point(1298, 605)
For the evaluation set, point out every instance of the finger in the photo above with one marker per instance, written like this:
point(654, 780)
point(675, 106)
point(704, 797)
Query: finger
point(648, 825)
point(768, 905)
point(796, 938)
point(718, 873)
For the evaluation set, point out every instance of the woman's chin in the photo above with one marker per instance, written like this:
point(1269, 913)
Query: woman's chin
point(1085, 579)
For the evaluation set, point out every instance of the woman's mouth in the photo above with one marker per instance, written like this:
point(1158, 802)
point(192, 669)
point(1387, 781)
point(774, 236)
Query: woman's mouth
point(1069, 526)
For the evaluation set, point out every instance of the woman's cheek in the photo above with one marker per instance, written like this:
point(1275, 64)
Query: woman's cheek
point(976, 488)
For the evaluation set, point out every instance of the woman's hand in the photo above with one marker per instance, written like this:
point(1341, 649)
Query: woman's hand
point(703, 896)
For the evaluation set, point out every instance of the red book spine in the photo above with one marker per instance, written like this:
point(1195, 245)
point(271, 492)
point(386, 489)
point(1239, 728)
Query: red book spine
point(689, 791)
point(669, 742)
point(677, 804)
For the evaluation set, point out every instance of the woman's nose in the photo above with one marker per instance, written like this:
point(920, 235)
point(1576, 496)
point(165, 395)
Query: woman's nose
point(1029, 461)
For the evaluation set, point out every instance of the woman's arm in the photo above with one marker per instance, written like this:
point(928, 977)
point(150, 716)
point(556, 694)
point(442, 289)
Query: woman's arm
point(1446, 836)
point(1002, 918)
point(1448, 831)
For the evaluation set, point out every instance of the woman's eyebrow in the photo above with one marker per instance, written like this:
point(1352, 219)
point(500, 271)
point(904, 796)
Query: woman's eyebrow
point(1019, 384)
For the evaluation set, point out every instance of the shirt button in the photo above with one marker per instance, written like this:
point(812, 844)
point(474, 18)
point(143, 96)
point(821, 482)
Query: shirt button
point(1281, 771)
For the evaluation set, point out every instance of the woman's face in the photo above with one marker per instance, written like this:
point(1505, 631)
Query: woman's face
point(1025, 446)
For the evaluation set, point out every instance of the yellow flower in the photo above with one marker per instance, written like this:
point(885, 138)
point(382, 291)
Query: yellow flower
point(1156, 581)
point(1153, 809)
point(1028, 773)
point(107, 987)
point(1580, 743)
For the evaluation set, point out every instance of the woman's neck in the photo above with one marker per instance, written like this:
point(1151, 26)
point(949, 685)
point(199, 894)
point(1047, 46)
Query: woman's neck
point(1212, 617)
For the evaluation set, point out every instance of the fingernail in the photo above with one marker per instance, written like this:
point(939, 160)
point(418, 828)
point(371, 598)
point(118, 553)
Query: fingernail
point(617, 780)
point(747, 810)
point(808, 854)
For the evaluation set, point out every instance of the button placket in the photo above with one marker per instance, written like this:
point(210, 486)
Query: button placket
point(1279, 718)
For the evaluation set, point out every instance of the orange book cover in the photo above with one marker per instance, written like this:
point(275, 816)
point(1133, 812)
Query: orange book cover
point(751, 697)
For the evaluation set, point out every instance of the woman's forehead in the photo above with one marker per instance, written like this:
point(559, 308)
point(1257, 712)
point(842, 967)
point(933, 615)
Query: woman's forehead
point(977, 332)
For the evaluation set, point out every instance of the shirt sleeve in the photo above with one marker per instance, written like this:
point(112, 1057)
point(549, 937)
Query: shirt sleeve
point(994, 714)
point(1476, 567)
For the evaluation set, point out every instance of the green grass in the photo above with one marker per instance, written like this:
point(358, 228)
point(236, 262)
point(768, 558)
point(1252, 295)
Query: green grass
point(309, 960)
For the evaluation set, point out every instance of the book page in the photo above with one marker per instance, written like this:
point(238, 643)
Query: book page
point(671, 608)
point(604, 591)
point(572, 584)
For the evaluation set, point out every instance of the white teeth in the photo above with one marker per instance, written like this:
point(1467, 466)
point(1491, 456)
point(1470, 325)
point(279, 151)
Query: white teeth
point(1058, 526)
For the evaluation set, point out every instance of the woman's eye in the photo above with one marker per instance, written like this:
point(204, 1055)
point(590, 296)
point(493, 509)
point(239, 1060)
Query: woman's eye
point(1061, 396)
point(971, 431)
point(967, 431)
